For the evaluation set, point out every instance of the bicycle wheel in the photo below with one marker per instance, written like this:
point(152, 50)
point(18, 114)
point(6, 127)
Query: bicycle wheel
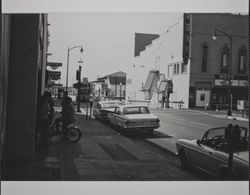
point(73, 134)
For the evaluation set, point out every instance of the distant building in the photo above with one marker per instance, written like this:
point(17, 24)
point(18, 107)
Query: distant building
point(193, 69)
point(110, 87)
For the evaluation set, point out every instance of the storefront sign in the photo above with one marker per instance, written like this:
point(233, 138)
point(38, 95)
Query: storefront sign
point(234, 83)
point(54, 75)
point(54, 65)
point(243, 83)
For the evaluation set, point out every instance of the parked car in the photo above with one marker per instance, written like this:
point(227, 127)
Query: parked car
point(133, 117)
point(103, 108)
point(211, 154)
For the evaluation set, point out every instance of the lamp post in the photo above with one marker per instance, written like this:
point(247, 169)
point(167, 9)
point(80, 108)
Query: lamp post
point(229, 36)
point(67, 74)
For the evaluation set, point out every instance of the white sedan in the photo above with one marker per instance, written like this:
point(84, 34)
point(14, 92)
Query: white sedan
point(133, 117)
point(211, 154)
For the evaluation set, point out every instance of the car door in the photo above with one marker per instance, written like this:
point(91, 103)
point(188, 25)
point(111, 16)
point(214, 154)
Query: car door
point(208, 157)
point(113, 116)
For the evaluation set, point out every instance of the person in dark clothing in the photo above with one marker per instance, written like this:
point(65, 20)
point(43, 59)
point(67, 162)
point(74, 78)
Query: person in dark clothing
point(48, 95)
point(43, 118)
point(68, 113)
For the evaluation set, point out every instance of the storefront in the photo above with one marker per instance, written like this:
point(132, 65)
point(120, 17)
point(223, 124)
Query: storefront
point(219, 94)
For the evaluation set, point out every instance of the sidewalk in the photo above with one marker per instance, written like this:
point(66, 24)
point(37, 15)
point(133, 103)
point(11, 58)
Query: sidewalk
point(102, 154)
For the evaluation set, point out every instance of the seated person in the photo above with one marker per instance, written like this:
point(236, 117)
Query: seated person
point(68, 113)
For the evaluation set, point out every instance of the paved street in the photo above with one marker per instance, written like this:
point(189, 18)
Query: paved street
point(188, 124)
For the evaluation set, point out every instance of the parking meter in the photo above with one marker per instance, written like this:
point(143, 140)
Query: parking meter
point(232, 135)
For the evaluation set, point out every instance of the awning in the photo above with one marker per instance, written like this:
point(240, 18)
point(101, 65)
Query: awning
point(152, 77)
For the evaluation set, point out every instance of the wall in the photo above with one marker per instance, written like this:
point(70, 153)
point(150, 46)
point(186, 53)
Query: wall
point(163, 51)
point(4, 58)
point(22, 87)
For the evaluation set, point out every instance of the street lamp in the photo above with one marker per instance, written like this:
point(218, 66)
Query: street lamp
point(69, 49)
point(229, 36)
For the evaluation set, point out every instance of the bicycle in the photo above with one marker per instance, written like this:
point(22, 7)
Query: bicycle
point(72, 133)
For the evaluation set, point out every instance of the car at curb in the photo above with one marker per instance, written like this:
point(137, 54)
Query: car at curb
point(211, 154)
point(102, 108)
point(133, 117)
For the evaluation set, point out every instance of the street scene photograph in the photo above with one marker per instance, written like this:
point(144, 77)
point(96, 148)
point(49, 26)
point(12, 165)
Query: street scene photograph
point(124, 96)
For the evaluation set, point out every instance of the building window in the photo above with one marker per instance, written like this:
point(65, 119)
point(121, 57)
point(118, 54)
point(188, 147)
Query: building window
point(175, 69)
point(225, 57)
point(242, 60)
point(204, 57)
point(129, 81)
point(183, 68)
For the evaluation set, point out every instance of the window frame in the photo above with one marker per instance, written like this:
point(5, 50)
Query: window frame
point(242, 53)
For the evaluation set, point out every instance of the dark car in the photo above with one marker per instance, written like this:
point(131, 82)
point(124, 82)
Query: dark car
point(211, 154)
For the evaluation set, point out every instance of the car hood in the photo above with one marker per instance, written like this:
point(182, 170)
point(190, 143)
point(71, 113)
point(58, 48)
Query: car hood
point(141, 116)
point(243, 155)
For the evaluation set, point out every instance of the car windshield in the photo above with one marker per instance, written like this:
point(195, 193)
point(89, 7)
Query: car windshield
point(135, 110)
point(215, 138)
point(111, 104)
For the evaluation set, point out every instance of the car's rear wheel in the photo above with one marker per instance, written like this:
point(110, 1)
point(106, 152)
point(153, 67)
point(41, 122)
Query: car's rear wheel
point(184, 160)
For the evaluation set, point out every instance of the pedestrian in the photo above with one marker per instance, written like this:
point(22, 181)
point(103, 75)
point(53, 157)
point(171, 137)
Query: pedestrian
point(43, 118)
point(48, 95)
point(68, 114)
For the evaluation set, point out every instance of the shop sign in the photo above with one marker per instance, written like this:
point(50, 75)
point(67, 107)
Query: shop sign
point(220, 82)
point(54, 75)
point(54, 65)
point(234, 83)
point(243, 83)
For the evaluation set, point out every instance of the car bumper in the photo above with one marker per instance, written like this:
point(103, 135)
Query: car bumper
point(139, 127)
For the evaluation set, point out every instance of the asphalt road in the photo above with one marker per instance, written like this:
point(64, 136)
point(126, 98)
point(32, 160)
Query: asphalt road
point(188, 124)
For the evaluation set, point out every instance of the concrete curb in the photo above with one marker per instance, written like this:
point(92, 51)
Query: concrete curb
point(164, 149)
point(219, 115)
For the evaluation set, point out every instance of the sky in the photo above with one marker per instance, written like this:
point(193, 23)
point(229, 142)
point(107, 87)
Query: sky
point(107, 40)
